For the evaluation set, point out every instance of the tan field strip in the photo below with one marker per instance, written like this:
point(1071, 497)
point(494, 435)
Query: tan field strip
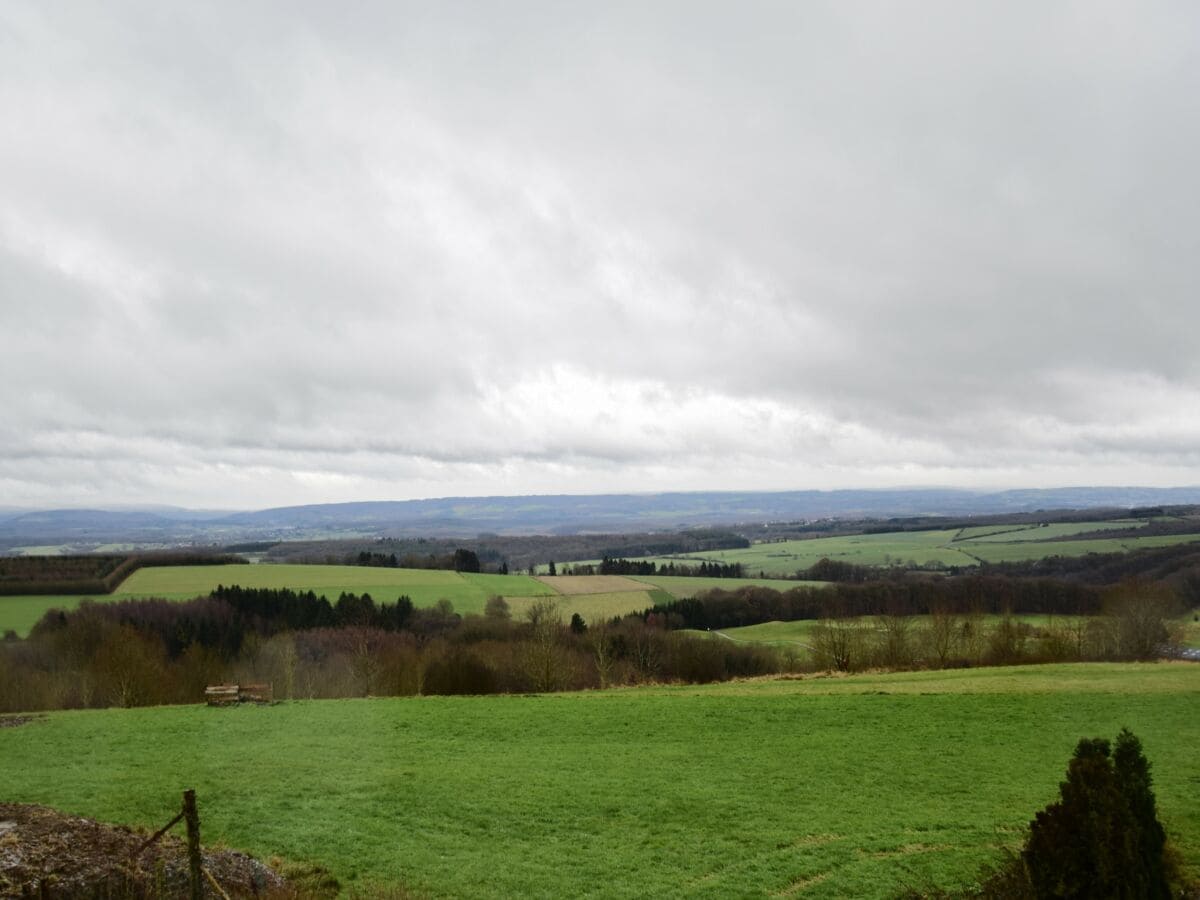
point(571, 585)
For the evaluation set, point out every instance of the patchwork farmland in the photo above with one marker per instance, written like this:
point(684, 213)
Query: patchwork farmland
point(939, 549)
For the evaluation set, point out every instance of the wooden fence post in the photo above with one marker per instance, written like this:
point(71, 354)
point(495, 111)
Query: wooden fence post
point(192, 818)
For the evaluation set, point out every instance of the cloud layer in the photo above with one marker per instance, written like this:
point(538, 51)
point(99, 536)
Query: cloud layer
point(290, 253)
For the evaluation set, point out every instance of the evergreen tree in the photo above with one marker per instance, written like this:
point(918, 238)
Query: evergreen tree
point(1102, 837)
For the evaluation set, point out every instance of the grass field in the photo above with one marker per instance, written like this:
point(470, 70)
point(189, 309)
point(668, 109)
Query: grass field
point(1016, 552)
point(1048, 532)
point(823, 787)
point(21, 613)
point(959, 547)
point(467, 592)
point(593, 607)
point(786, 557)
point(799, 632)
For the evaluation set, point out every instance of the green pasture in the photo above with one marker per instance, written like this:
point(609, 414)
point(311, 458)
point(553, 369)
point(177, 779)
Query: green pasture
point(822, 787)
point(798, 632)
point(594, 607)
point(467, 592)
point(962, 547)
point(21, 613)
point(786, 557)
point(1015, 552)
point(978, 531)
point(1047, 532)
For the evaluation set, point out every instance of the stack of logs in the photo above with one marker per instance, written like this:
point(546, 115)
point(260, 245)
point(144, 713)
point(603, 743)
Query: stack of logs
point(233, 694)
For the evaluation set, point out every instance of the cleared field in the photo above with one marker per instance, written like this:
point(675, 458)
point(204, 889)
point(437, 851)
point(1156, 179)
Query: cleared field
point(589, 584)
point(823, 787)
point(467, 592)
point(687, 586)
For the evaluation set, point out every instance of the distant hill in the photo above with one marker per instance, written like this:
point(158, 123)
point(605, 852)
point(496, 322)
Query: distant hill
point(547, 514)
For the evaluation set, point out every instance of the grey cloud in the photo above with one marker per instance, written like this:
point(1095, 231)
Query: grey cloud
point(400, 248)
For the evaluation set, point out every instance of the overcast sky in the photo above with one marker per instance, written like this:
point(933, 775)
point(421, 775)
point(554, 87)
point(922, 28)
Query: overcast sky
point(259, 254)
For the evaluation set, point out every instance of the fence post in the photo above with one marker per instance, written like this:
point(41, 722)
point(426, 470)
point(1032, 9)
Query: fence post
point(192, 818)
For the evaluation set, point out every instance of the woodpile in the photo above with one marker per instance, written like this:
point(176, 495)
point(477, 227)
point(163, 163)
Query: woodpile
point(233, 694)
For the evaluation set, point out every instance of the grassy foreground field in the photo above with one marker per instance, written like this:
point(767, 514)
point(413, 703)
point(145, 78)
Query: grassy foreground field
point(825, 787)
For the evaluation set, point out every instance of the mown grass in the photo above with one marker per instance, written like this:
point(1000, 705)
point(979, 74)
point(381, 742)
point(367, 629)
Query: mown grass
point(823, 787)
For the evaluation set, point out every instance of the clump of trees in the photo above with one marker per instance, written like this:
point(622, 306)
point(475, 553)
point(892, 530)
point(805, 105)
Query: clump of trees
point(620, 566)
point(461, 560)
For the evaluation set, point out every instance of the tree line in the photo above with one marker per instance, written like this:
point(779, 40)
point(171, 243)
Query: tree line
point(947, 623)
point(156, 651)
point(150, 652)
point(518, 552)
point(620, 566)
point(461, 560)
point(989, 595)
point(97, 575)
